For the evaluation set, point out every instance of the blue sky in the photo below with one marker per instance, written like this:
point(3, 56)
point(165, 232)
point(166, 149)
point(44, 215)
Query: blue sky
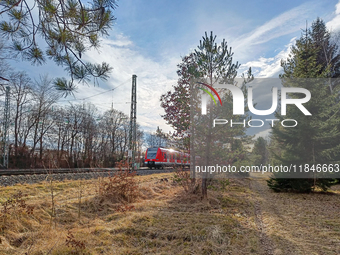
point(165, 28)
point(150, 37)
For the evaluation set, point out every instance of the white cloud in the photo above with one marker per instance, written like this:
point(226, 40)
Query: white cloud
point(334, 24)
point(337, 8)
point(265, 134)
point(153, 80)
point(284, 24)
point(269, 67)
point(121, 41)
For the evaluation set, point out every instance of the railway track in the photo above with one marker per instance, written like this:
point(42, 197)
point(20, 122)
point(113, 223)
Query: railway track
point(30, 176)
point(10, 172)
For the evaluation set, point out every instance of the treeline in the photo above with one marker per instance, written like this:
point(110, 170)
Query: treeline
point(46, 134)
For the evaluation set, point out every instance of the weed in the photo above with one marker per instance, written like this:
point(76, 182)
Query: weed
point(53, 203)
point(14, 207)
point(78, 246)
point(122, 186)
point(124, 208)
point(183, 178)
point(219, 185)
point(80, 195)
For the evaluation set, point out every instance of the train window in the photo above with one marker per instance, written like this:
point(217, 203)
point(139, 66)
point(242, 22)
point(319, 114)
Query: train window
point(151, 153)
point(164, 155)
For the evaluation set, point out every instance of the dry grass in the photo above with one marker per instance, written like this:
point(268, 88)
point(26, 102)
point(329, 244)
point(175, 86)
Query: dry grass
point(164, 219)
point(301, 223)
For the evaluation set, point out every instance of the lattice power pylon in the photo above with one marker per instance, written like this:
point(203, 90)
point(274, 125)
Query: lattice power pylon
point(5, 128)
point(133, 131)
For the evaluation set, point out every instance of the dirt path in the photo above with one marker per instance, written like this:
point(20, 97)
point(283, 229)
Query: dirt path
point(267, 246)
point(292, 224)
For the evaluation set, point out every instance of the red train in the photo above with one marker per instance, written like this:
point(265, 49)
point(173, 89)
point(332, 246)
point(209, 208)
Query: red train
point(160, 157)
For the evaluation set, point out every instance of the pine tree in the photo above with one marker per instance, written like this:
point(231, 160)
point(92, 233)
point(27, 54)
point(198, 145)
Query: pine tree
point(68, 28)
point(327, 51)
point(314, 140)
point(260, 151)
point(210, 63)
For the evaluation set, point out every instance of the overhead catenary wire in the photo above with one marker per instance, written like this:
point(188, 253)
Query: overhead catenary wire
point(106, 91)
point(83, 99)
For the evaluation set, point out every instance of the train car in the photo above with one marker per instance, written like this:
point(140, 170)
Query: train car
point(158, 157)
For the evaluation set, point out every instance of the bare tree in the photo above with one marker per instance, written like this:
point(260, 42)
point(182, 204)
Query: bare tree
point(21, 90)
point(45, 96)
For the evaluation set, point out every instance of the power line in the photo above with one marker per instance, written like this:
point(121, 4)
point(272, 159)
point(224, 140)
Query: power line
point(97, 94)
point(76, 99)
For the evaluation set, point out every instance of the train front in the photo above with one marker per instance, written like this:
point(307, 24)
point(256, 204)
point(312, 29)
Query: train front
point(150, 157)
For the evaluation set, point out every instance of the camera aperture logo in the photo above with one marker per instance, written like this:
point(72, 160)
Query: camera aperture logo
point(213, 90)
point(239, 108)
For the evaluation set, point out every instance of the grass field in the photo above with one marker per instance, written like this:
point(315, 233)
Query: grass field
point(244, 217)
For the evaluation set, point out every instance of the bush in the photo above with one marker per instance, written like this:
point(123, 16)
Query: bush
point(121, 187)
point(219, 184)
point(183, 178)
point(299, 185)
